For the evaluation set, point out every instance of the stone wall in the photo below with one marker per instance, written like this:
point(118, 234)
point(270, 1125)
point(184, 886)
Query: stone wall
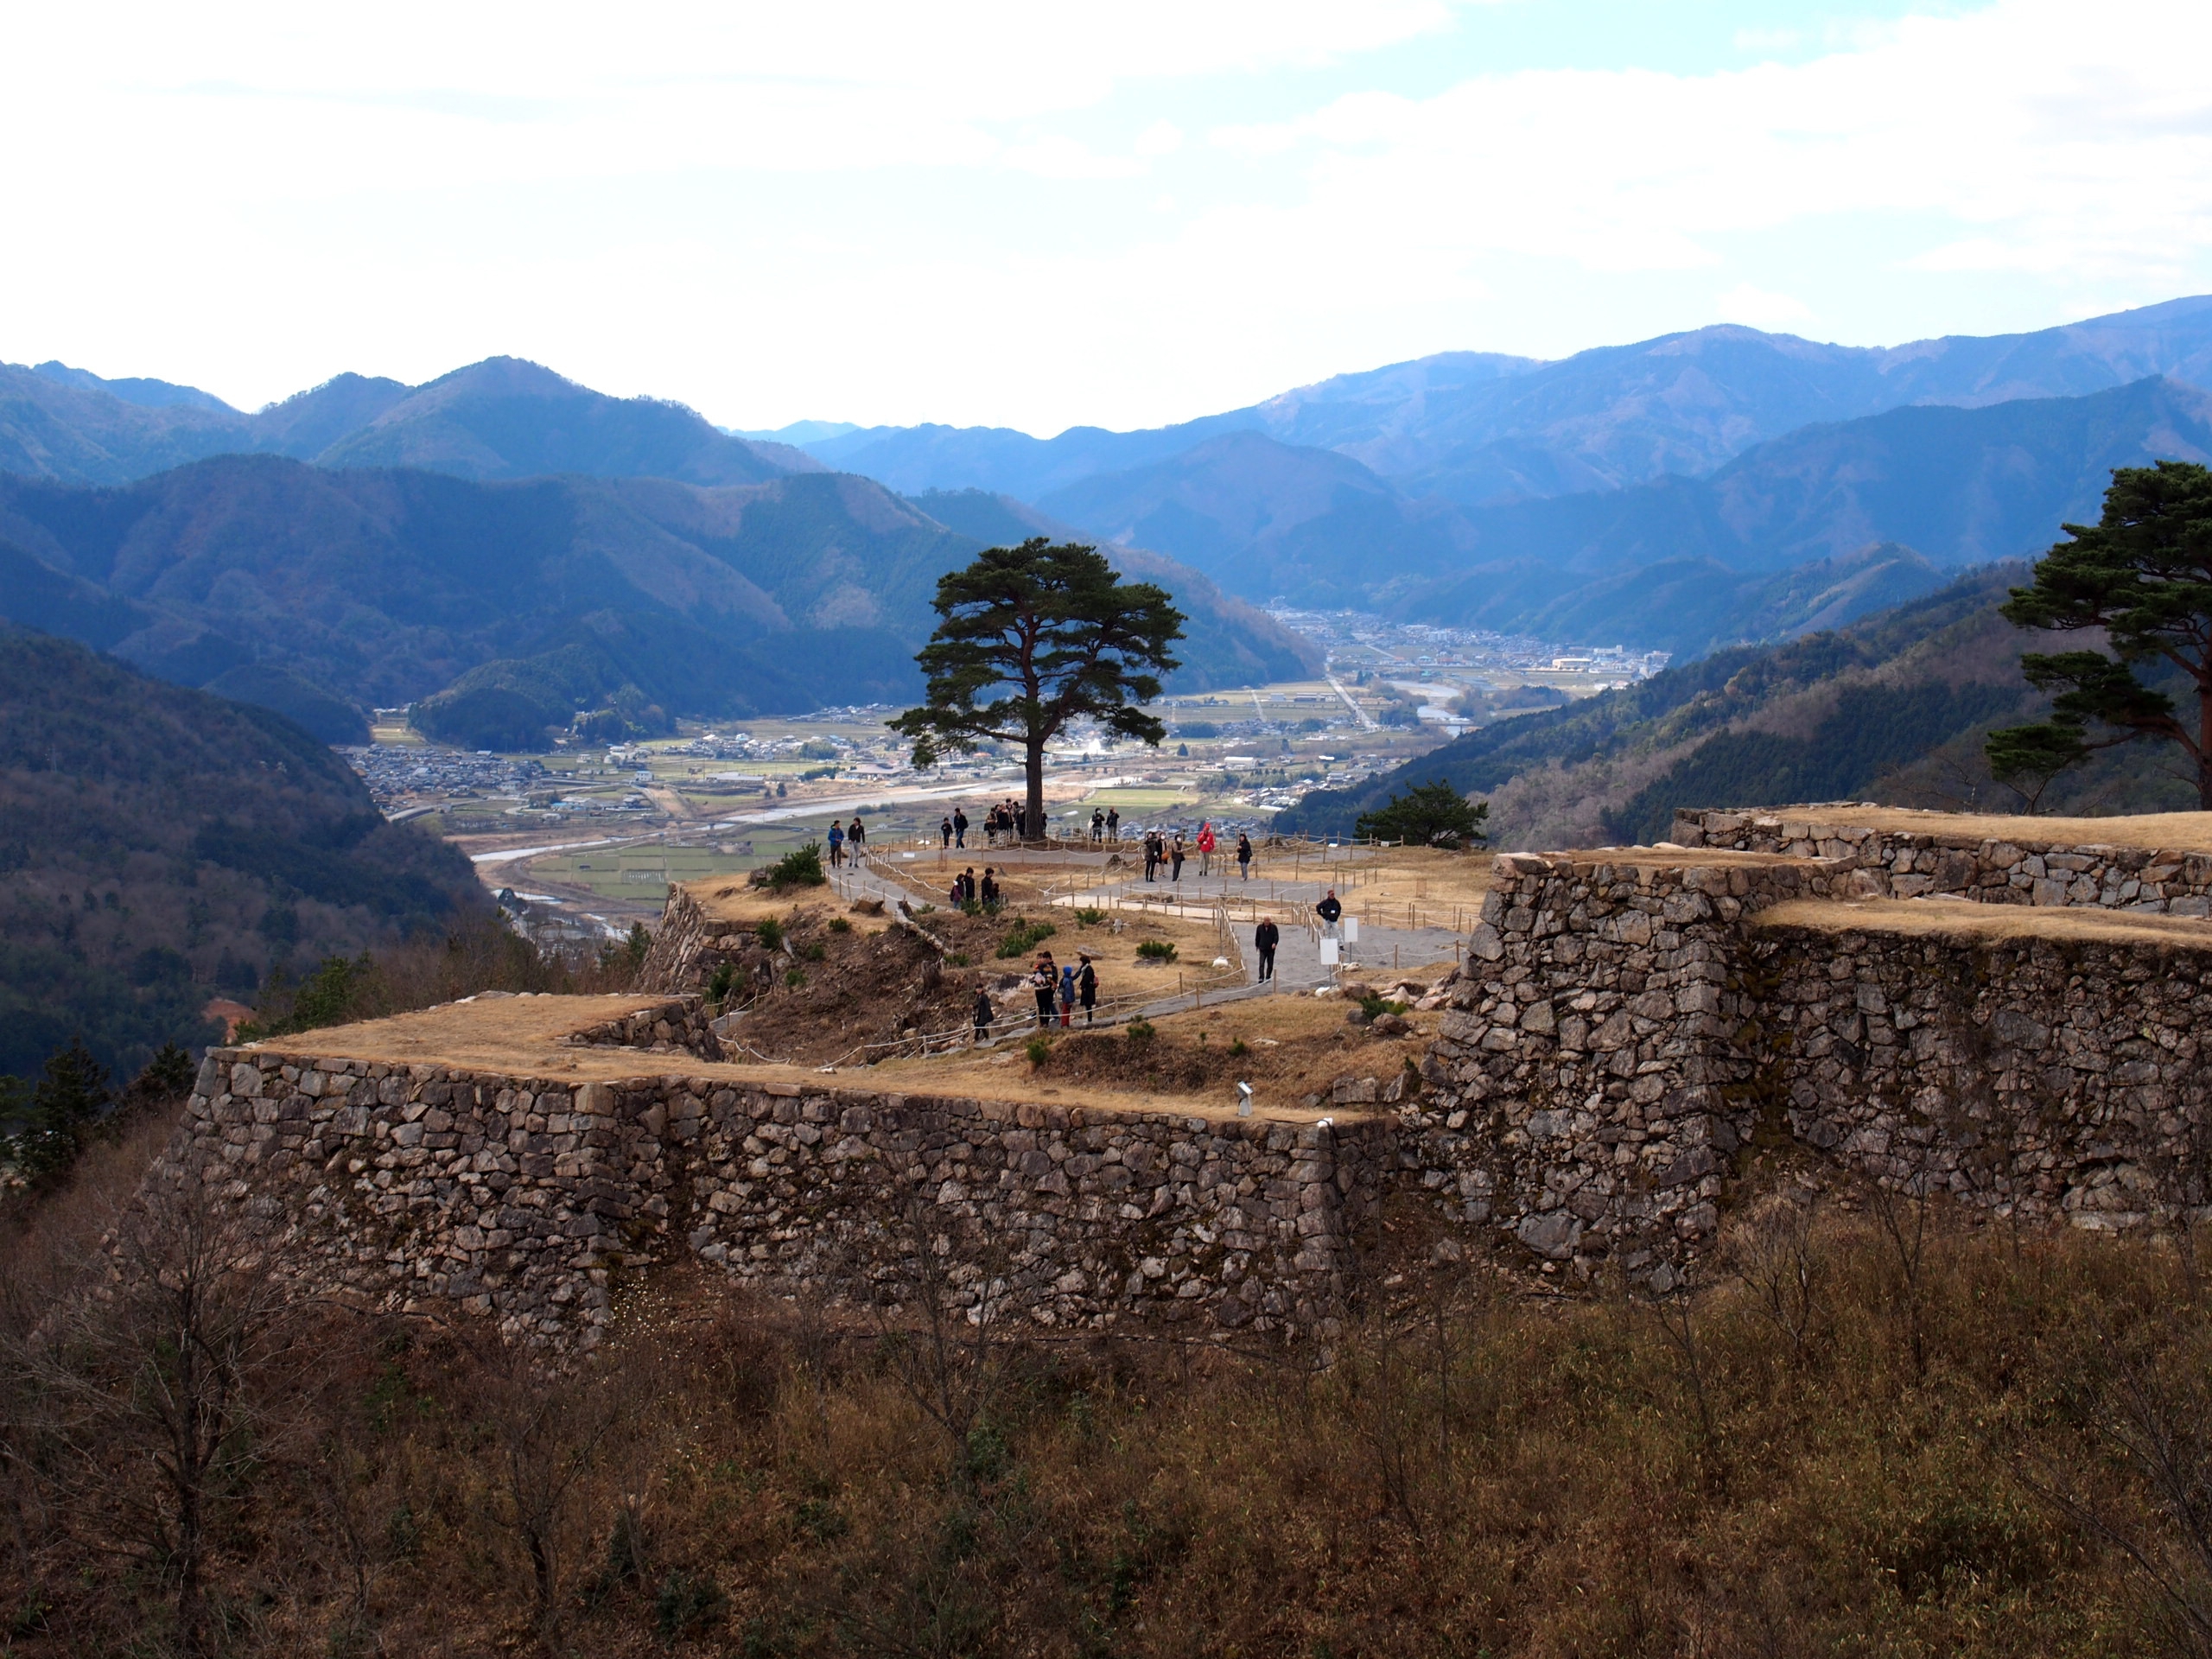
point(1623, 1028)
point(533, 1200)
point(2039, 1076)
point(690, 945)
point(2019, 870)
point(675, 1023)
point(1585, 1093)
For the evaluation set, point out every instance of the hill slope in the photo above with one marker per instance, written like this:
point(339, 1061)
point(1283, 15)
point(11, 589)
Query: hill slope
point(1856, 713)
point(381, 587)
point(159, 845)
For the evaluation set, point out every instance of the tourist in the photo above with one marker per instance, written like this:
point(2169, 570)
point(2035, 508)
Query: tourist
point(1205, 848)
point(1151, 853)
point(989, 896)
point(1243, 856)
point(1086, 985)
point(959, 828)
point(1329, 910)
point(968, 894)
point(1046, 985)
point(1097, 825)
point(1067, 995)
point(984, 1014)
point(1114, 825)
point(836, 843)
point(945, 830)
point(858, 835)
point(1176, 855)
point(1265, 937)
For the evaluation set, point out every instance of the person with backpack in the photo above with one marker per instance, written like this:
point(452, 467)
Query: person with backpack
point(836, 843)
point(1067, 995)
point(1086, 985)
point(1205, 848)
point(1243, 857)
point(1265, 937)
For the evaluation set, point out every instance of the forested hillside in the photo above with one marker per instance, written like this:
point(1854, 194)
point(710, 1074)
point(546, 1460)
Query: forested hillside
point(1890, 709)
point(524, 601)
point(160, 846)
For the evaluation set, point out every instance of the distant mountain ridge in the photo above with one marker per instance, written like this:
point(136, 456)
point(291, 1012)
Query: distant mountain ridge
point(1477, 428)
point(501, 418)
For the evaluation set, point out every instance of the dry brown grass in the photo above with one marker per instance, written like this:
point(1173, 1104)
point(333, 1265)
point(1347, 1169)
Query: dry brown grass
point(1471, 1470)
point(1966, 921)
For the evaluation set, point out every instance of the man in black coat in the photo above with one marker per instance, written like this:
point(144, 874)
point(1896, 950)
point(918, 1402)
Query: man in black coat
point(1265, 937)
point(1329, 910)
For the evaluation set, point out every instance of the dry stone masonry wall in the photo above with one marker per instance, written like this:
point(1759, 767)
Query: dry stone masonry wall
point(534, 1200)
point(1913, 864)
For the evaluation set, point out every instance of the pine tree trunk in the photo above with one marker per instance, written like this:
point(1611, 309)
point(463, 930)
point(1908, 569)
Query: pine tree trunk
point(1033, 812)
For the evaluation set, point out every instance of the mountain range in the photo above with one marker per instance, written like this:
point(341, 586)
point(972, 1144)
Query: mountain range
point(501, 418)
point(383, 586)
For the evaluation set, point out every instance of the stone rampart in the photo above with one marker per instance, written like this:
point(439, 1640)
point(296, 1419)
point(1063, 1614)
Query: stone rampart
point(2043, 1076)
point(2017, 869)
point(533, 1199)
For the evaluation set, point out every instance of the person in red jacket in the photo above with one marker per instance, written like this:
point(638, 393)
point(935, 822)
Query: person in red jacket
point(1205, 848)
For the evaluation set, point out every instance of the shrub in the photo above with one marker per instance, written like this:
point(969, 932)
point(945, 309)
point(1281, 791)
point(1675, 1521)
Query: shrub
point(839, 925)
point(794, 978)
point(958, 958)
point(1374, 1004)
point(800, 867)
point(770, 933)
point(1140, 1031)
point(816, 951)
point(725, 976)
point(1238, 1049)
point(1157, 950)
point(1089, 916)
point(1023, 937)
point(1038, 1050)
point(685, 1603)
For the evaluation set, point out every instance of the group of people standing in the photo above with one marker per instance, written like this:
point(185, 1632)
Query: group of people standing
point(1172, 851)
point(965, 892)
point(1063, 988)
point(840, 838)
point(1002, 825)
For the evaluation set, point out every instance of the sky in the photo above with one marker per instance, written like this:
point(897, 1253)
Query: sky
point(1036, 215)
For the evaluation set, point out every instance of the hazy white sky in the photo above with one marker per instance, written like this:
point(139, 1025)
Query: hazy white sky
point(1035, 215)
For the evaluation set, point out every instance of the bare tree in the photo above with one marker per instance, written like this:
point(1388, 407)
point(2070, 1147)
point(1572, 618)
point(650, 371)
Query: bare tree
point(949, 1358)
point(1773, 1255)
point(156, 1389)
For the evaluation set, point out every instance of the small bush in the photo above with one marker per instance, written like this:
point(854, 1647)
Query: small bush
point(794, 978)
point(816, 951)
point(1038, 1050)
point(725, 976)
point(839, 925)
point(1375, 1004)
point(958, 958)
point(685, 1603)
point(800, 867)
point(770, 933)
point(1023, 937)
point(1090, 915)
point(1239, 1049)
point(1140, 1031)
point(1156, 950)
